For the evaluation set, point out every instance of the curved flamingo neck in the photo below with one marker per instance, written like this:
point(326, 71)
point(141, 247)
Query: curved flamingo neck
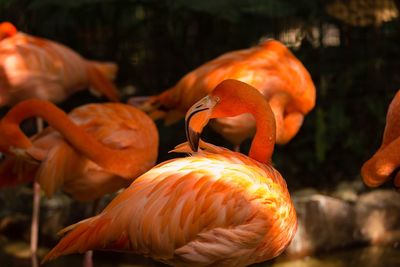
point(113, 160)
point(242, 98)
point(386, 160)
point(392, 128)
point(262, 146)
point(383, 163)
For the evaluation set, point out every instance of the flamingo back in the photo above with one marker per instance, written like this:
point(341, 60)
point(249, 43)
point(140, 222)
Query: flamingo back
point(270, 67)
point(32, 67)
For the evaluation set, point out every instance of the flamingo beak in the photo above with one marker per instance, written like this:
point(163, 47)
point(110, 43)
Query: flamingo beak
point(196, 119)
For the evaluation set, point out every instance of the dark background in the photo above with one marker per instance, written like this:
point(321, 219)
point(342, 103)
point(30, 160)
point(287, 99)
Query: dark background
point(351, 49)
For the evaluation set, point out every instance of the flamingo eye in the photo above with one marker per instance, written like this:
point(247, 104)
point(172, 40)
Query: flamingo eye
point(217, 99)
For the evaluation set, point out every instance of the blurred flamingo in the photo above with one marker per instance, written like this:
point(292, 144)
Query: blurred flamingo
point(386, 160)
point(95, 150)
point(33, 67)
point(269, 67)
point(215, 208)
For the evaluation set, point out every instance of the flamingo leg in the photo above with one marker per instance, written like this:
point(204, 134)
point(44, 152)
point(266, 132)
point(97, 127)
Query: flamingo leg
point(35, 210)
point(88, 257)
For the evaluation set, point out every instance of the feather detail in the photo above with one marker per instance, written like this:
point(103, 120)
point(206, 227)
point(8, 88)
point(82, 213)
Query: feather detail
point(56, 166)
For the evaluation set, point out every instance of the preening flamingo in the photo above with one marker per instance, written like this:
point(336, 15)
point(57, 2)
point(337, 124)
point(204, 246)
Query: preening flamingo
point(386, 160)
point(214, 208)
point(95, 150)
point(269, 67)
point(33, 67)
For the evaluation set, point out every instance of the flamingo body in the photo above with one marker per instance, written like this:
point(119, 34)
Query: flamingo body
point(55, 162)
point(235, 212)
point(269, 67)
point(32, 67)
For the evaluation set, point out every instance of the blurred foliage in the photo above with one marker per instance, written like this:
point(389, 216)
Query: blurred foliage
point(157, 42)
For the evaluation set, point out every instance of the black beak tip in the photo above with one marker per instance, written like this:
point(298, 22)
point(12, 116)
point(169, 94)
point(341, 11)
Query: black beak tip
point(193, 138)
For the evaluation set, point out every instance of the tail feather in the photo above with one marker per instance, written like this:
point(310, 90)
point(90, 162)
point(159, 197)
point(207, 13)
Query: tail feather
point(168, 105)
point(159, 107)
point(14, 171)
point(109, 69)
point(98, 80)
point(85, 235)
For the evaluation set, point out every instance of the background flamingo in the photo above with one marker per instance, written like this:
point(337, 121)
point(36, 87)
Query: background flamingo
point(215, 208)
point(95, 150)
point(33, 67)
point(386, 160)
point(270, 67)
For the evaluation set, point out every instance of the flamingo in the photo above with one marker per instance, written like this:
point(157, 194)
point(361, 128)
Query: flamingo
point(269, 67)
point(95, 150)
point(386, 160)
point(214, 208)
point(33, 67)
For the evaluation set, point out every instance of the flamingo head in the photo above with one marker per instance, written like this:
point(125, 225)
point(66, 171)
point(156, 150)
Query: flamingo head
point(12, 140)
point(197, 118)
point(226, 100)
point(7, 30)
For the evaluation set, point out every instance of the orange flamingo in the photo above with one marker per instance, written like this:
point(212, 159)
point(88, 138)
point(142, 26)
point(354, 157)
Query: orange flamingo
point(269, 67)
point(215, 208)
point(32, 67)
point(95, 150)
point(386, 160)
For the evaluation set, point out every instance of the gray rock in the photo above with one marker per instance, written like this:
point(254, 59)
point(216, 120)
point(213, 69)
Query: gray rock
point(324, 223)
point(378, 217)
point(348, 190)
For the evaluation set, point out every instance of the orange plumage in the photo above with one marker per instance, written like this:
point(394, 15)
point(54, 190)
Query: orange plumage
point(386, 160)
point(33, 67)
point(215, 208)
point(58, 161)
point(269, 67)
